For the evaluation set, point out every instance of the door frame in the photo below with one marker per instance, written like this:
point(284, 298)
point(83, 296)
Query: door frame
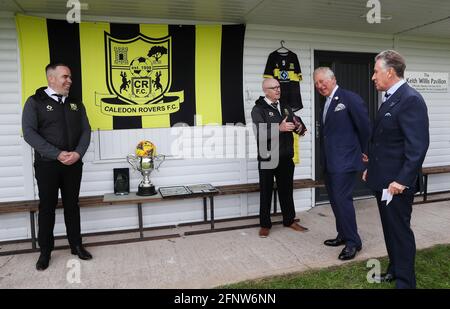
point(372, 105)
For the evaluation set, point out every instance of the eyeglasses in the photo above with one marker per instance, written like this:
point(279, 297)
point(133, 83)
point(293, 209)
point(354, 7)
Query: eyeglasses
point(274, 88)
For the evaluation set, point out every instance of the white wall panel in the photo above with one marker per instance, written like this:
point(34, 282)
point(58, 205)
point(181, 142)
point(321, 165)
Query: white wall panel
point(430, 56)
point(14, 226)
point(14, 158)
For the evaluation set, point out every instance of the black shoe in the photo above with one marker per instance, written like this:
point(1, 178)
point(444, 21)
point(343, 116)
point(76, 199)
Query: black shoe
point(334, 242)
point(385, 277)
point(348, 253)
point(43, 261)
point(81, 252)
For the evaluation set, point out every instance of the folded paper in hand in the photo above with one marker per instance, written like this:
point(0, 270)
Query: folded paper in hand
point(387, 196)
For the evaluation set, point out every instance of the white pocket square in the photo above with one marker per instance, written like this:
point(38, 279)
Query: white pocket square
point(340, 107)
point(387, 115)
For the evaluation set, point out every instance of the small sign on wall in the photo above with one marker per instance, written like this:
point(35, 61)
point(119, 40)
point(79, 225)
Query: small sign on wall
point(427, 81)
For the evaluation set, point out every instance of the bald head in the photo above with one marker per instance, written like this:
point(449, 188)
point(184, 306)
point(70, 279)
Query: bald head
point(271, 89)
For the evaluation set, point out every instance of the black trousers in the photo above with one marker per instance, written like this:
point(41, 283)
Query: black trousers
point(399, 238)
point(284, 175)
point(51, 177)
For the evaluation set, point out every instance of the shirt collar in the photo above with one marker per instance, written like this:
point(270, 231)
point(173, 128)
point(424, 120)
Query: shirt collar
point(270, 104)
point(50, 92)
point(395, 87)
point(333, 92)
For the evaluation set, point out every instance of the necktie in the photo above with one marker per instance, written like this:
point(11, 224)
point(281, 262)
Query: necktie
point(64, 127)
point(386, 96)
point(59, 96)
point(325, 109)
point(275, 105)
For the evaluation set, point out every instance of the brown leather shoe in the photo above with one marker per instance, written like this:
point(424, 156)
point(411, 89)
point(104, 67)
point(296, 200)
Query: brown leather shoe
point(297, 227)
point(264, 232)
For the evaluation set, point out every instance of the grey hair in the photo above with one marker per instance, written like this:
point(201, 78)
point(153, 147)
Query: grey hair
point(326, 71)
point(392, 59)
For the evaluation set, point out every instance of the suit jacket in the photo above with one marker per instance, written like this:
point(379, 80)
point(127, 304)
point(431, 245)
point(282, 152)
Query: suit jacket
point(345, 134)
point(399, 141)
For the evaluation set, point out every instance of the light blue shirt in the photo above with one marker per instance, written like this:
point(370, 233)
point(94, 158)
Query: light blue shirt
point(327, 103)
point(394, 88)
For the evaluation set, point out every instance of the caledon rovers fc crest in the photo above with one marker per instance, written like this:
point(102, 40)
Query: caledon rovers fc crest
point(139, 77)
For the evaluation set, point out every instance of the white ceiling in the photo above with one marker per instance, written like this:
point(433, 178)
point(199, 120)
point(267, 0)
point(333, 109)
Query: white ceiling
point(427, 18)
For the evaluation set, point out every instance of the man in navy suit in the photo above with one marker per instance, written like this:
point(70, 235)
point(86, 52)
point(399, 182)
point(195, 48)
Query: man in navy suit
point(344, 137)
point(397, 148)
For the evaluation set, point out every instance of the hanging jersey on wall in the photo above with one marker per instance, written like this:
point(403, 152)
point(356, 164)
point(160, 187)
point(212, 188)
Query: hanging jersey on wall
point(285, 68)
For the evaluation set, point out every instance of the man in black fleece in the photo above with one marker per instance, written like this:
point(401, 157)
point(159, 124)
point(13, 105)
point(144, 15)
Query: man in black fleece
point(274, 125)
point(56, 126)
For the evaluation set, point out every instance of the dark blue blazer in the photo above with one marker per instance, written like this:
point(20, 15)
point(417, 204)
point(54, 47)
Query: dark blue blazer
point(345, 134)
point(399, 141)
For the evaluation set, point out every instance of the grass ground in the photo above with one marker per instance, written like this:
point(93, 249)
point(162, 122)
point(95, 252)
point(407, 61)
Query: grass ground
point(432, 271)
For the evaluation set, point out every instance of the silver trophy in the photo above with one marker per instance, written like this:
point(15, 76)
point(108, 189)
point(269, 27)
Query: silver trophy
point(145, 162)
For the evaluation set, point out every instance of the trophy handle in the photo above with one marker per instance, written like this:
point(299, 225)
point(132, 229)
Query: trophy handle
point(158, 160)
point(132, 159)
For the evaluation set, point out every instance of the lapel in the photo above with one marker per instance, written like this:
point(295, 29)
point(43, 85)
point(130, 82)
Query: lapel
point(334, 102)
point(390, 103)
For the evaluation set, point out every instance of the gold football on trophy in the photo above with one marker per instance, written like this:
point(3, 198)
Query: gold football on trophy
point(145, 149)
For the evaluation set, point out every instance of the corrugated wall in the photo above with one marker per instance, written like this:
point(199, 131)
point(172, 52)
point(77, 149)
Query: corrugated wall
point(433, 56)
point(11, 153)
point(15, 157)
point(108, 149)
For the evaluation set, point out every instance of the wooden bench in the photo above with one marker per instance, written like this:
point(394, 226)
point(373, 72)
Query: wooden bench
point(32, 206)
point(430, 171)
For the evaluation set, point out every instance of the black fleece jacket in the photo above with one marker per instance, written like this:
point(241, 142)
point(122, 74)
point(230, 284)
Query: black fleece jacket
point(50, 127)
point(263, 113)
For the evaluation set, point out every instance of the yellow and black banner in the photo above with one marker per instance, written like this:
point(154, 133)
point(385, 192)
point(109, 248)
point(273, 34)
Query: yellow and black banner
point(140, 75)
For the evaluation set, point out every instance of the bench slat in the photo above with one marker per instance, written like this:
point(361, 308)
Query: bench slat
point(19, 206)
point(254, 187)
point(436, 170)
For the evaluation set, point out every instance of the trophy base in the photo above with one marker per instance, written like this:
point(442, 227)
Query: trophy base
point(146, 191)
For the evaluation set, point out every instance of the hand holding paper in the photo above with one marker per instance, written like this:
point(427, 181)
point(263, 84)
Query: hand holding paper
point(396, 188)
